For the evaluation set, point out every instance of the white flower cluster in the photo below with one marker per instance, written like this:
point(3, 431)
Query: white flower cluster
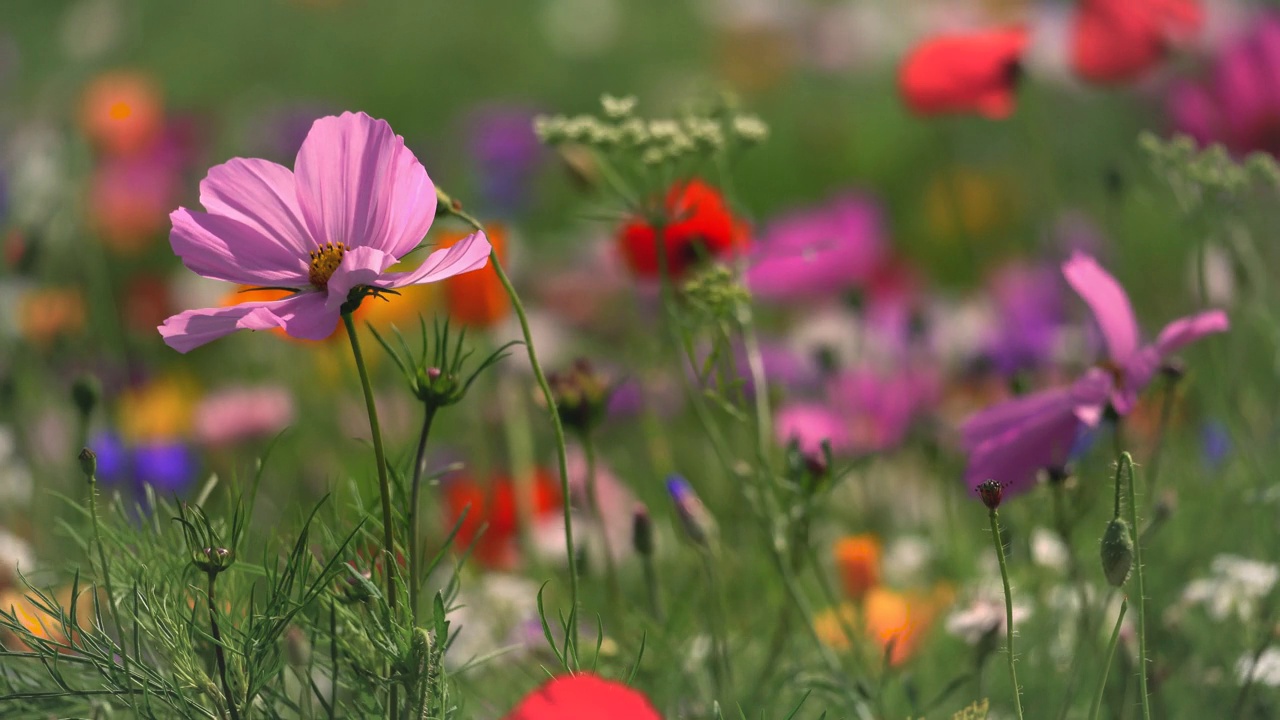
point(1235, 586)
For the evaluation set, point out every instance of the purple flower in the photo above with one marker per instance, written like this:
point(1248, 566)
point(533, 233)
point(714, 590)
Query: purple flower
point(113, 458)
point(1132, 365)
point(356, 203)
point(1012, 441)
point(1237, 104)
point(818, 252)
point(506, 152)
point(169, 467)
point(1029, 311)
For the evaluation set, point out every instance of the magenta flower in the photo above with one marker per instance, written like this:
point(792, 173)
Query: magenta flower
point(819, 252)
point(1012, 441)
point(1237, 104)
point(356, 203)
point(1132, 365)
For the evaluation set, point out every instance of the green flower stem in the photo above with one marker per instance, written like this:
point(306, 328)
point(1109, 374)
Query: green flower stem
point(571, 635)
point(218, 651)
point(1106, 665)
point(384, 487)
point(593, 500)
point(651, 585)
point(333, 658)
point(1162, 426)
point(106, 573)
point(415, 530)
point(1126, 463)
point(1008, 610)
point(721, 672)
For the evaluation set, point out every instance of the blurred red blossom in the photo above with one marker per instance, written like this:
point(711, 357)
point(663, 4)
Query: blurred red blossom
point(965, 73)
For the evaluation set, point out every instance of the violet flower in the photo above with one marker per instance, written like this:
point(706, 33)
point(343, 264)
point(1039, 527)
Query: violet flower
point(1029, 309)
point(1132, 365)
point(357, 202)
point(506, 152)
point(819, 252)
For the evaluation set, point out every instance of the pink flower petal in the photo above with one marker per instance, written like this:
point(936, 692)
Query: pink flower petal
point(469, 253)
point(359, 185)
point(809, 424)
point(262, 195)
point(302, 316)
point(1108, 301)
point(1184, 331)
point(360, 266)
point(224, 248)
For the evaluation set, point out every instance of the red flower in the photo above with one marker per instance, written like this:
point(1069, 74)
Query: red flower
point(1118, 40)
point(494, 505)
point(583, 697)
point(698, 225)
point(973, 72)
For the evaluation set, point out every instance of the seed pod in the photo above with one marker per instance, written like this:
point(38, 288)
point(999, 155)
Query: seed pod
point(1117, 552)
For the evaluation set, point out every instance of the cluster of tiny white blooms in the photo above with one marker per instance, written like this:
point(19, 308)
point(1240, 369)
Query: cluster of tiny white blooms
point(1048, 550)
point(490, 614)
point(15, 556)
point(750, 129)
point(1235, 587)
point(1265, 671)
point(655, 141)
point(16, 485)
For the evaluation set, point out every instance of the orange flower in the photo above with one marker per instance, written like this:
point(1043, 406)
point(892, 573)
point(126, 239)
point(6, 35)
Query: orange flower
point(37, 622)
point(886, 617)
point(858, 560)
point(50, 313)
point(477, 299)
point(121, 112)
point(494, 507)
point(972, 72)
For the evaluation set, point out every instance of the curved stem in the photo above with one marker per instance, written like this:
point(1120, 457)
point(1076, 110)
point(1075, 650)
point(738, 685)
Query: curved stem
point(1106, 666)
point(106, 574)
point(218, 651)
point(384, 487)
point(571, 636)
point(1126, 463)
point(1008, 611)
point(593, 499)
point(419, 469)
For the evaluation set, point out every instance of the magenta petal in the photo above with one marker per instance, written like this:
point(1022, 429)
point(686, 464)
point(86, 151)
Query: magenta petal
point(1184, 331)
point(1108, 301)
point(226, 249)
point(262, 195)
point(469, 253)
point(360, 266)
point(192, 328)
point(307, 316)
point(809, 424)
point(359, 185)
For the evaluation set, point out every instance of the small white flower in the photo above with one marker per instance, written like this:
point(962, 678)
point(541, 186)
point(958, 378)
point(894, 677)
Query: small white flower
point(985, 614)
point(1265, 671)
point(1048, 550)
point(15, 555)
point(1235, 587)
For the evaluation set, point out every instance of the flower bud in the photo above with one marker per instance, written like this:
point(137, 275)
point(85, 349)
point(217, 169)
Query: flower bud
point(89, 464)
point(991, 493)
point(85, 392)
point(1117, 552)
point(213, 560)
point(693, 515)
point(581, 394)
point(642, 531)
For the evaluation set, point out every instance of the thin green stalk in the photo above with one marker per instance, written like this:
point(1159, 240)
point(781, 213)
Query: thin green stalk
point(571, 635)
point(1008, 610)
point(1126, 462)
point(722, 673)
point(218, 652)
point(593, 500)
point(1106, 665)
point(384, 487)
point(106, 573)
point(333, 658)
point(415, 530)
point(651, 585)
point(1166, 412)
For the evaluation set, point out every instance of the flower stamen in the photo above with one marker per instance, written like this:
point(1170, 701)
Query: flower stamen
point(324, 261)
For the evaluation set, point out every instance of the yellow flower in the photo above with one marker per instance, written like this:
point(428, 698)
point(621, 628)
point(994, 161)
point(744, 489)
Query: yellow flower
point(159, 410)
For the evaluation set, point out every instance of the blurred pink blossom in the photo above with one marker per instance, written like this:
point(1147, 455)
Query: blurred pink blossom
point(242, 413)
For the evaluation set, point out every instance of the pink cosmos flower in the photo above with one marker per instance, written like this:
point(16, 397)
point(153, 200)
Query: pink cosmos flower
point(819, 252)
point(356, 203)
point(242, 413)
point(1132, 365)
point(1012, 441)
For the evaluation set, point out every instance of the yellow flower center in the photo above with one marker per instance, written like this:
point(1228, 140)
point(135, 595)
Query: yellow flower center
point(323, 262)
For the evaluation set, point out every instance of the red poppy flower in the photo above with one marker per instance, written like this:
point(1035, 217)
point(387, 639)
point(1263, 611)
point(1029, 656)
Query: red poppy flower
point(583, 697)
point(1118, 40)
point(698, 225)
point(494, 505)
point(973, 72)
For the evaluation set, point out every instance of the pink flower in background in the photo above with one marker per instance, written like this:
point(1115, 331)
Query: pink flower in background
point(809, 424)
point(242, 413)
point(1238, 104)
point(820, 251)
point(1012, 441)
point(356, 203)
point(1029, 308)
point(1131, 364)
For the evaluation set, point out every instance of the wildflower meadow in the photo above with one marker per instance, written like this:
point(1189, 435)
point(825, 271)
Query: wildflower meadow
point(607, 360)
